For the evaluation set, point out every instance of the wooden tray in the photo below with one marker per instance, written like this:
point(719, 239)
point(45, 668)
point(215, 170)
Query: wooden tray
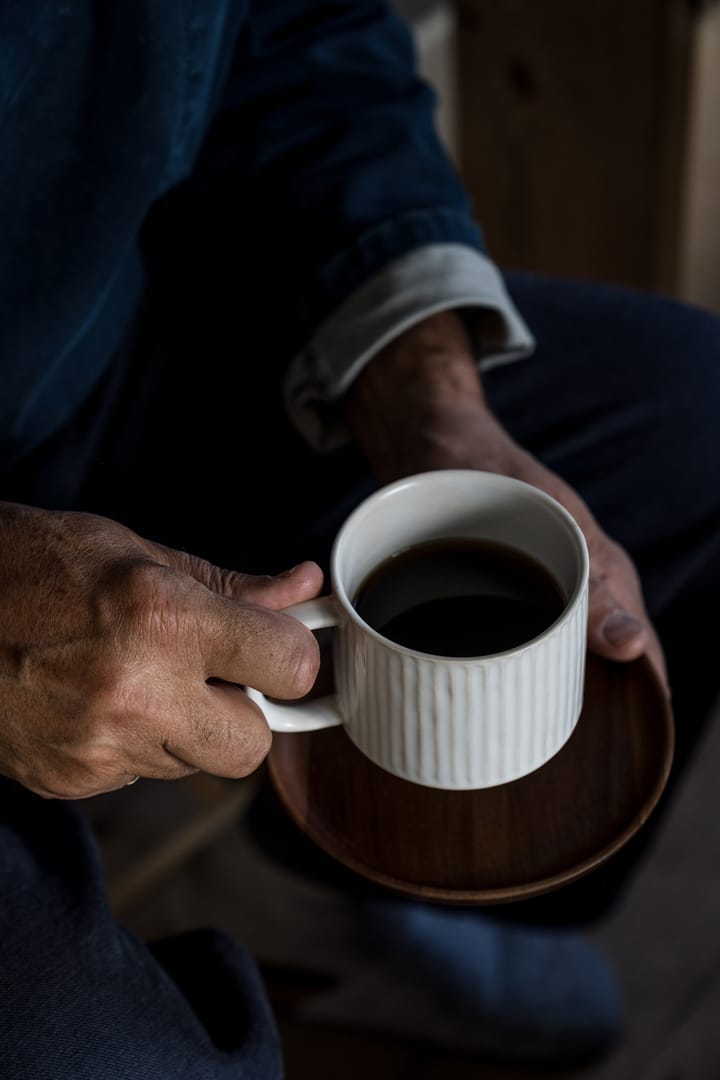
point(510, 842)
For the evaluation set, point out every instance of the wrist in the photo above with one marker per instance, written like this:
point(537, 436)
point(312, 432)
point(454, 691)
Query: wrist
point(415, 403)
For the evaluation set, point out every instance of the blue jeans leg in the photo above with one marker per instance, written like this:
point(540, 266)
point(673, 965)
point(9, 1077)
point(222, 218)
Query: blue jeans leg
point(82, 999)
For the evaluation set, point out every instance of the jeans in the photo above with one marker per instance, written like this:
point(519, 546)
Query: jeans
point(187, 443)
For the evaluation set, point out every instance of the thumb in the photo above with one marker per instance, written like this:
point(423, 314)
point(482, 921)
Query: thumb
point(612, 630)
point(301, 582)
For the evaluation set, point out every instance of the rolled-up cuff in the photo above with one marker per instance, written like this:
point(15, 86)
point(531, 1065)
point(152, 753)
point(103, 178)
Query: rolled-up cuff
point(429, 279)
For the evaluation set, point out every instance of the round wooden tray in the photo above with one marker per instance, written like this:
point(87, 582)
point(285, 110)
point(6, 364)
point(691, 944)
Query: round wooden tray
point(509, 842)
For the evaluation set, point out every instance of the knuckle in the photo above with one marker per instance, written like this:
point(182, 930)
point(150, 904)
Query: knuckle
point(146, 593)
point(228, 583)
point(137, 578)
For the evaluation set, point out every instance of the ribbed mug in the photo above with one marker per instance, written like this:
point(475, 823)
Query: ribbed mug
point(445, 721)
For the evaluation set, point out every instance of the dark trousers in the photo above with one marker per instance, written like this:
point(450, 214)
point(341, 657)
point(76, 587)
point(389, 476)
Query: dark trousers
point(187, 442)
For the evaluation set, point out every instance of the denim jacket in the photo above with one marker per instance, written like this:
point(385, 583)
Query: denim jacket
point(302, 131)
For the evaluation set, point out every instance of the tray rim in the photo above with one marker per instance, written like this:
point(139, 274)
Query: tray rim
point(505, 893)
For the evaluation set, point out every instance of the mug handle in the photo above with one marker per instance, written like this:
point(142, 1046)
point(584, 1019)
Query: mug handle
point(315, 713)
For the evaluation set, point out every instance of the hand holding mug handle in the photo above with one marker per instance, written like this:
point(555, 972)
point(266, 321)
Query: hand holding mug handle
point(315, 713)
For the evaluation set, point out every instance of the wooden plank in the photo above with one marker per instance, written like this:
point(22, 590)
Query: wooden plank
point(699, 258)
point(571, 137)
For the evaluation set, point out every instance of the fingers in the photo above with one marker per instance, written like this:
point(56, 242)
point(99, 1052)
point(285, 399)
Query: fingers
point(228, 736)
point(613, 631)
point(301, 582)
point(619, 627)
point(251, 646)
point(193, 713)
point(217, 730)
point(153, 705)
point(242, 642)
point(214, 728)
point(83, 772)
point(118, 665)
point(185, 633)
point(198, 644)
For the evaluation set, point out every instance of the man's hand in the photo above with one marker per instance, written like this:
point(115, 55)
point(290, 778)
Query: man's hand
point(117, 655)
point(419, 405)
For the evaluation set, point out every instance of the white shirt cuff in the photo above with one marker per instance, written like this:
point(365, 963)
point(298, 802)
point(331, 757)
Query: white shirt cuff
point(433, 278)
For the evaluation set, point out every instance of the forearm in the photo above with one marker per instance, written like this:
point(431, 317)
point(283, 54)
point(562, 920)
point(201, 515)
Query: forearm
point(419, 404)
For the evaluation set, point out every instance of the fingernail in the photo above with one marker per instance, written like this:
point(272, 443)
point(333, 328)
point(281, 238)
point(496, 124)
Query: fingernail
point(287, 573)
point(620, 627)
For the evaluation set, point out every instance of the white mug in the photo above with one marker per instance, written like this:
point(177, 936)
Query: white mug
point(446, 721)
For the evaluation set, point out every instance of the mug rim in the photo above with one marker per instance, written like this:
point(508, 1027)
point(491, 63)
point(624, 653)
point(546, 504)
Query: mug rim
point(499, 480)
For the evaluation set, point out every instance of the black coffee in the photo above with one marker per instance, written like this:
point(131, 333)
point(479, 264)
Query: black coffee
point(460, 598)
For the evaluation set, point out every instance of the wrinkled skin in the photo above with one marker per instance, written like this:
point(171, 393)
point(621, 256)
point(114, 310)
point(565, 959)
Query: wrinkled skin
point(116, 656)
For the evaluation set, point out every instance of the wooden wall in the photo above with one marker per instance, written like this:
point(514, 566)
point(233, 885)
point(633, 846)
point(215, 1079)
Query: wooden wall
point(589, 137)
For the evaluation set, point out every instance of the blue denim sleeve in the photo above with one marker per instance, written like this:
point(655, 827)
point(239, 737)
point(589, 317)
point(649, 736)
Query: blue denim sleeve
point(323, 158)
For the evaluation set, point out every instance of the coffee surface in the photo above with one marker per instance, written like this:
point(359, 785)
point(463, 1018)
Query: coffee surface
point(460, 597)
